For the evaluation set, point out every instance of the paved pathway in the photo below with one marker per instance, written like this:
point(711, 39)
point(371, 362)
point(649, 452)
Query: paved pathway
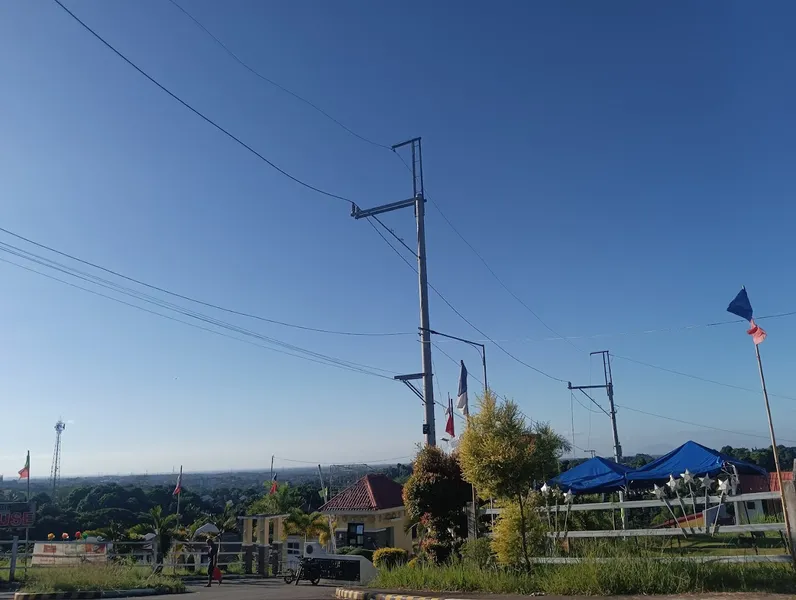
point(267, 589)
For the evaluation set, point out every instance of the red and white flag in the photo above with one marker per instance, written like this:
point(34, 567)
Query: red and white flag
point(178, 487)
point(758, 333)
point(274, 485)
point(449, 429)
point(24, 472)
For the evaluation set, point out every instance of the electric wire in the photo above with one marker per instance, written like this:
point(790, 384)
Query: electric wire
point(702, 425)
point(274, 83)
point(597, 404)
point(363, 462)
point(380, 145)
point(197, 301)
point(461, 316)
point(698, 378)
point(198, 113)
point(188, 323)
point(47, 263)
point(490, 269)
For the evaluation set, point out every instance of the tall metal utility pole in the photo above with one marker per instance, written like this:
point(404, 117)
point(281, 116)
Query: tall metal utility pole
point(418, 200)
point(609, 389)
point(608, 386)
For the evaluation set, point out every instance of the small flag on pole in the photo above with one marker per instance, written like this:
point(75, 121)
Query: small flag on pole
point(178, 487)
point(449, 429)
point(461, 402)
point(24, 472)
point(741, 307)
point(274, 485)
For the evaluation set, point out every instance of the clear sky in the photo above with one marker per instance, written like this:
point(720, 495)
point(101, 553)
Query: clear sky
point(622, 167)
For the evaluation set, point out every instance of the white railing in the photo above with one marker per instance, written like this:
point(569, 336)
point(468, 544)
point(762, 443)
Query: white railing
point(15, 555)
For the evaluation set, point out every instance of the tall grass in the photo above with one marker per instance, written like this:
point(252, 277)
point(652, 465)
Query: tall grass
point(607, 567)
point(97, 577)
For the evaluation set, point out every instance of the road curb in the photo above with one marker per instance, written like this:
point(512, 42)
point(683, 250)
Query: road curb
point(346, 594)
point(89, 595)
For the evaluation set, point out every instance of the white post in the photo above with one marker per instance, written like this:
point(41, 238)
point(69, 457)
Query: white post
point(13, 564)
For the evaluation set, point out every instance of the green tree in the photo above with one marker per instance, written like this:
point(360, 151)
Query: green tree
point(163, 526)
point(226, 521)
point(285, 499)
point(436, 493)
point(309, 526)
point(502, 456)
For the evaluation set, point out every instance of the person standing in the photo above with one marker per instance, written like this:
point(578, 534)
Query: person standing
point(212, 560)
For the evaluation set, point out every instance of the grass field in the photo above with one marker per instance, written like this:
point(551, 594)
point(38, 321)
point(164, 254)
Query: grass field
point(96, 577)
point(620, 576)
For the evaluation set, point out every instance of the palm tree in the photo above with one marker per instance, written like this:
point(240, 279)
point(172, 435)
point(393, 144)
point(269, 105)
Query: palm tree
point(308, 526)
point(163, 526)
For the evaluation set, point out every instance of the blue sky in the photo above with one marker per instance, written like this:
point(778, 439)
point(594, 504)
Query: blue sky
point(621, 167)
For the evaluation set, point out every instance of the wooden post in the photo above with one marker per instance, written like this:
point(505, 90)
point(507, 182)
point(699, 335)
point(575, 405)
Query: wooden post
point(789, 494)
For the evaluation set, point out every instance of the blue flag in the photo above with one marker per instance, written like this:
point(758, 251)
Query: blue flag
point(462, 401)
point(741, 306)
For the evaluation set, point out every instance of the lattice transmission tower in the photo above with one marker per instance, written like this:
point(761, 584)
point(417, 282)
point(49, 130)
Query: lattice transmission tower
point(55, 470)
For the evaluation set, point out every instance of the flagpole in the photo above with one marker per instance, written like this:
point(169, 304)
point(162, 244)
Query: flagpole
point(27, 529)
point(179, 493)
point(775, 450)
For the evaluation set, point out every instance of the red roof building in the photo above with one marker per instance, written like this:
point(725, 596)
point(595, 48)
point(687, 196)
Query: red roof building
point(370, 514)
point(370, 493)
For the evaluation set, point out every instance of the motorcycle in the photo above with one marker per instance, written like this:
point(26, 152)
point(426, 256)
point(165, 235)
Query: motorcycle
point(310, 570)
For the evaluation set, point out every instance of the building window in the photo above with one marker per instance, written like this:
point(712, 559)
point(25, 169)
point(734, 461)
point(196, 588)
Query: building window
point(294, 548)
point(750, 505)
point(355, 535)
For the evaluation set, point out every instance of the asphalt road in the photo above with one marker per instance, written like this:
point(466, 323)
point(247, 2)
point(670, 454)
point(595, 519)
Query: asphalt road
point(266, 589)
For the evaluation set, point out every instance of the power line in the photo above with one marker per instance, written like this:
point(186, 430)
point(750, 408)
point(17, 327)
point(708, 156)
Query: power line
point(698, 378)
point(275, 84)
point(189, 324)
point(303, 353)
point(591, 410)
point(460, 315)
point(374, 143)
point(201, 302)
point(363, 462)
point(702, 425)
point(200, 114)
point(491, 270)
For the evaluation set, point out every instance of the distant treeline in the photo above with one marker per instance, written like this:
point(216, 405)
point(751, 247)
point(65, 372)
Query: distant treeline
point(118, 507)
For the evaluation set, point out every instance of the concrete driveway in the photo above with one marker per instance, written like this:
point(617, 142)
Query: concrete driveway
point(266, 589)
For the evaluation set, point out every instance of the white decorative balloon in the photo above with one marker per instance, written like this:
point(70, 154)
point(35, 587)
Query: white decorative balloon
point(707, 482)
point(672, 483)
point(658, 491)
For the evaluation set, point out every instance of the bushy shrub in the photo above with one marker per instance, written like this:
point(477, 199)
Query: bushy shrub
point(413, 563)
point(362, 552)
point(389, 558)
point(345, 549)
point(478, 553)
point(437, 553)
point(507, 539)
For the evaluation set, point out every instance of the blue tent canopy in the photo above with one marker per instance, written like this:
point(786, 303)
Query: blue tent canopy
point(595, 476)
point(697, 458)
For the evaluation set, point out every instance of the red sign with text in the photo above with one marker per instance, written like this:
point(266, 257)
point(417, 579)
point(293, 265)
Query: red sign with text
point(17, 514)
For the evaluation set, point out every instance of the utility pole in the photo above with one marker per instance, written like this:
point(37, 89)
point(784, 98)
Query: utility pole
point(418, 200)
point(609, 390)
